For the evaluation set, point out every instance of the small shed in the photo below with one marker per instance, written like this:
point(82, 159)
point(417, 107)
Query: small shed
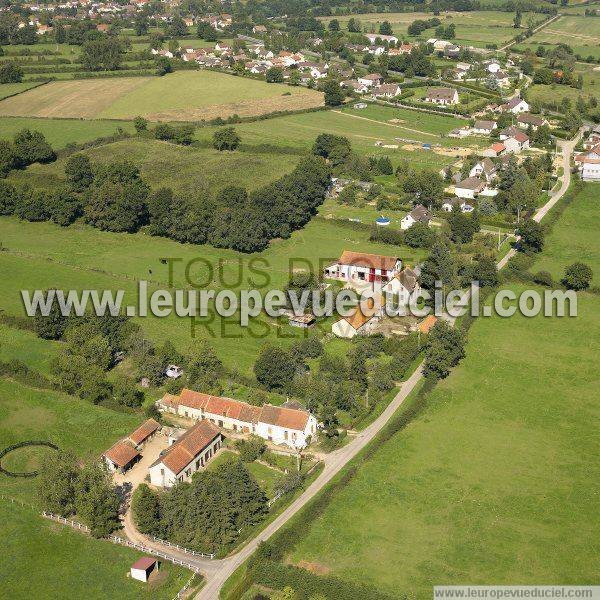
point(303, 321)
point(121, 457)
point(143, 568)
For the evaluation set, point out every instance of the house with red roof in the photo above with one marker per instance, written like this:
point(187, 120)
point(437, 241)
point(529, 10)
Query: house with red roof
point(280, 425)
point(363, 267)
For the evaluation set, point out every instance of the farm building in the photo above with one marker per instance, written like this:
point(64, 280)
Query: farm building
point(484, 127)
point(276, 424)
point(469, 187)
point(374, 37)
point(361, 322)
point(529, 120)
point(302, 321)
point(589, 164)
point(187, 455)
point(371, 79)
point(404, 284)
point(386, 90)
point(121, 457)
point(363, 267)
point(143, 568)
point(144, 432)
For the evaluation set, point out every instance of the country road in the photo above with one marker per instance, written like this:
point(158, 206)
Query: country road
point(218, 571)
point(535, 30)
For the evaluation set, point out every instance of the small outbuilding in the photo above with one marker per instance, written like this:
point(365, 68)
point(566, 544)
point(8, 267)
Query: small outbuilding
point(121, 457)
point(143, 568)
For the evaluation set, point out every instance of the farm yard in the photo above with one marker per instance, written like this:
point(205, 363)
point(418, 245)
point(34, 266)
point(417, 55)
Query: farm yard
point(184, 96)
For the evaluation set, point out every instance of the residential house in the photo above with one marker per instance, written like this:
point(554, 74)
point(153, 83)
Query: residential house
point(529, 120)
point(483, 168)
point(439, 45)
point(461, 204)
point(378, 37)
point(500, 78)
point(363, 267)
point(469, 187)
point(355, 86)
point(484, 127)
point(509, 132)
point(386, 90)
point(404, 48)
point(404, 285)
point(361, 321)
point(460, 132)
point(516, 143)
point(515, 106)
point(159, 52)
point(259, 29)
point(589, 164)
point(419, 214)
point(443, 96)
point(293, 428)
point(451, 51)
point(187, 455)
point(373, 79)
point(315, 70)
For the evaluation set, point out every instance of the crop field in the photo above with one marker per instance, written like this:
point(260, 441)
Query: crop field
point(9, 89)
point(183, 96)
point(193, 170)
point(495, 483)
point(69, 564)
point(562, 248)
point(60, 132)
point(572, 30)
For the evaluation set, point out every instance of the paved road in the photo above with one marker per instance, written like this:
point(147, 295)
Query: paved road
point(218, 571)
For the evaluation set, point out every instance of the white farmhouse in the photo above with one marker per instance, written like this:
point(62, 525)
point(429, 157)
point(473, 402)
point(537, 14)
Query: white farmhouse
point(405, 285)
point(363, 267)
point(589, 164)
point(442, 96)
point(515, 106)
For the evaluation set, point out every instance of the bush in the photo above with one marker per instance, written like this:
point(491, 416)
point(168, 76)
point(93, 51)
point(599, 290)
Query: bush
point(578, 276)
point(543, 278)
point(250, 449)
point(226, 139)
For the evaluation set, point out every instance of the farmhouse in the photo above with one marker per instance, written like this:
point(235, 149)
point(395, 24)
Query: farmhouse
point(404, 48)
point(121, 457)
point(496, 149)
point(144, 432)
point(443, 96)
point(419, 214)
point(186, 456)
point(292, 428)
point(371, 79)
point(517, 142)
point(359, 267)
point(356, 86)
point(529, 120)
point(469, 187)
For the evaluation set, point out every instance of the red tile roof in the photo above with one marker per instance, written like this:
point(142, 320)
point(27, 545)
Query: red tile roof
point(189, 446)
point(144, 563)
point(427, 323)
point(121, 454)
point(288, 418)
point(144, 431)
point(373, 261)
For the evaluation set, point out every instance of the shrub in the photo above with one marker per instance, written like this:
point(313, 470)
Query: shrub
point(250, 449)
point(578, 276)
point(543, 278)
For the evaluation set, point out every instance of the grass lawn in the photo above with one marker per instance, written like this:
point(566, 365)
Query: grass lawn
point(496, 483)
point(186, 96)
point(60, 132)
point(43, 559)
point(195, 171)
point(27, 347)
point(69, 422)
point(9, 89)
point(575, 237)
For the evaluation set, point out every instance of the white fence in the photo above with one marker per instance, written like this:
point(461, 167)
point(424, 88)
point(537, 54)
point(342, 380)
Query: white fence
point(184, 589)
point(182, 549)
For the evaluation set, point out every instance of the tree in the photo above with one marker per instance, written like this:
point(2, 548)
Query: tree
point(354, 25)
point(274, 367)
point(10, 73)
point(440, 265)
point(146, 510)
point(102, 54)
point(8, 158)
point(334, 25)
point(31, 147)
point(51, 326)
point(226, 139)
point(578, 276)
point(96, 501)
point(385, 28)
point(462, 226)
point(8, 198)
point(203, 363)
point(334, 94)
point(274, 75)
point(427, 185)
point(63, 206)
point(445, 349)
point(531, 236)
point(141, 26)
point(177, 28)
point(79, 172)
point(420, 235)
point(483, 270)
point(518, 19)
point(326, 144)
point(140, 124)
point(56, 482)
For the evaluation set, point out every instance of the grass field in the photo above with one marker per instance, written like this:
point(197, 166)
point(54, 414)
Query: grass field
point(60, 132)
point(9, 89)
point(183, 96)
point(494, 484)
point(27, 347)
point(549, 93)
point(71, 423)
point(197, 171)
point(43, 559)
point(563, 246)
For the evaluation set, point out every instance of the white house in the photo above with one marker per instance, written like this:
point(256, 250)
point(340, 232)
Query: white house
point(404, 285)
point(386, 90)
point(361, 321)
point(484, 127)
point(485, 168)
point(419, 214)
point(533, 121)
point(469, 187)
point(463, 205)
point(363, 267)
point(371, 79)
point(277, 424)
point(443, 96)
point(187, 455)
point(373, 37)
point(589, 164)
point(516, 143)
point(356, 86)
point(515, 106)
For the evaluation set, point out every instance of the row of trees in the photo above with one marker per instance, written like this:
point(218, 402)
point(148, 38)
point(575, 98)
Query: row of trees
point(26, 147)
point(206, 514)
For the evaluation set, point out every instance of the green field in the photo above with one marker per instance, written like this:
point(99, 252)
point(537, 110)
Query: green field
point(196, 171)
point(60, 132)
point(494, 484)
point(579, 32)
point(43, 559)
point(555, 92)
point(575, 237)
point(27, 347)
point(182, 96)
point(10, 89)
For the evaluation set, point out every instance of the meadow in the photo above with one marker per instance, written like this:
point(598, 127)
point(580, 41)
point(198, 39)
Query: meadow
point(563, 248)
point(63, 563)
point(195, 171)
point(182, 96)
point(27, 347)
point(10, 89)
point(495, 483)
point(555, 92)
